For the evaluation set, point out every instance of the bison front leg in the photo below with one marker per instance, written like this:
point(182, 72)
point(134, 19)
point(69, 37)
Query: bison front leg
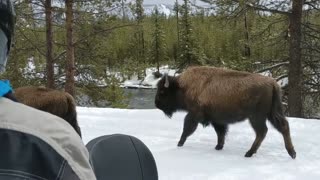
point(189, 126)
point(221, 131)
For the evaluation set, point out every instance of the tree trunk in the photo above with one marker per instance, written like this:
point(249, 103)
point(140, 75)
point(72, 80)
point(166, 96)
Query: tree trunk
point(123, 10)
point(49, 39)
point(70, 67)
point(247, 49)
point(295, 69)
point(178, 33)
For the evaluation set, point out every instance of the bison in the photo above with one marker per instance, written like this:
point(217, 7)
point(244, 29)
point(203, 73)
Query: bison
point(218, 97)
point(56, 102)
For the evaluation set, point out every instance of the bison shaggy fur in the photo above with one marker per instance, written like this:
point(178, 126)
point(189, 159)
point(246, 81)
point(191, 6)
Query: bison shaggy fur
point(218, 97)
point(56, 102)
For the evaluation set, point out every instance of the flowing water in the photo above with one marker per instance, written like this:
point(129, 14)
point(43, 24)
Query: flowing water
point(137, 99)
point(141, 98)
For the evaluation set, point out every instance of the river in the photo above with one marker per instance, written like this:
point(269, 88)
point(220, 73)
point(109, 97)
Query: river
point(141, 98)
point(137, 99)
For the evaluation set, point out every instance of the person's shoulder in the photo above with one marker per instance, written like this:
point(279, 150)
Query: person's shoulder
point(30, 120)
point(19, 113)
point(51, 129)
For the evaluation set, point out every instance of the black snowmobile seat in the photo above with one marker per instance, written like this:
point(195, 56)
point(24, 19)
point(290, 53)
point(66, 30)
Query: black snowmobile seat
point(121, 157)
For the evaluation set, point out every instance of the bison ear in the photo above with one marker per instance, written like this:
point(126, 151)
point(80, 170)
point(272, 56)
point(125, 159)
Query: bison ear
point(166, 84)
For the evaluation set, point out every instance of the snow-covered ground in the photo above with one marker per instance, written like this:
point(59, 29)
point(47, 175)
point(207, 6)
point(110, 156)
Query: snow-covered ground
point(197, 159)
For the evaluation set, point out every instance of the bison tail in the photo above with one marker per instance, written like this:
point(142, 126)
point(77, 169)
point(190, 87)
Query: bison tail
point(71, 115)
point(276, 115)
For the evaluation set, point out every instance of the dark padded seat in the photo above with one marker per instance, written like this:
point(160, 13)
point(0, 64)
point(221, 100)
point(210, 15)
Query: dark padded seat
point(121, 157)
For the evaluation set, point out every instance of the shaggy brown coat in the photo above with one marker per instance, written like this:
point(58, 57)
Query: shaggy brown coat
point(224, 88)
point(219, 97)
point(56, 102)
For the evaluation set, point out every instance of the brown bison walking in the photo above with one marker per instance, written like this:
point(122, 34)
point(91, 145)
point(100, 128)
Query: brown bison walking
point(56, 102)
point(219, 97)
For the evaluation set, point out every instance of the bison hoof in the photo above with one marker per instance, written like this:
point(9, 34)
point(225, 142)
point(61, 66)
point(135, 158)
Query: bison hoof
point(249, 154)
point(292, 153)
point(219, 147)
point(180, 144)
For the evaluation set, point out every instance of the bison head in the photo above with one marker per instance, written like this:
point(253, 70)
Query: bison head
point(167, 95)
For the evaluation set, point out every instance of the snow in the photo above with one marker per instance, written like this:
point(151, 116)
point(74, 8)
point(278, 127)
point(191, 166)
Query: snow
point(266, 73)
point(197, 159)
point(283, 82)
point(30, 71)
point(163, 9)
point(149, 81)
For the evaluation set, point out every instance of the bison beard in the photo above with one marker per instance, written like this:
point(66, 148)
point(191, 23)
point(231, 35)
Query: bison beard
point(218, 97)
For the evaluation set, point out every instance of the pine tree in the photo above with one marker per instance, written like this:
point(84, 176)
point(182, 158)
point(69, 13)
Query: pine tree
point(139, 41)
point(177, 10)
point(190, 52)
point(158, 52)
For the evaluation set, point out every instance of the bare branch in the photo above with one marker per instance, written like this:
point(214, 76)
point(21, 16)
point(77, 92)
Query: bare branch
point(281, 77)
point(103, 31)
point(35, 46)
point(312, 4)
point(256, 7)
point(272, 67)
point(59, 55)
point(261, 8)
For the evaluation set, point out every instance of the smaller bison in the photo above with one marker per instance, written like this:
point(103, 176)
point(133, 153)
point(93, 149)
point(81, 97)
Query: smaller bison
point(218, 97)
point(56, 102)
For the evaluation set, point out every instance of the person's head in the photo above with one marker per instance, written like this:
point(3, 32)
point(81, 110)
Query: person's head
point(7, 22)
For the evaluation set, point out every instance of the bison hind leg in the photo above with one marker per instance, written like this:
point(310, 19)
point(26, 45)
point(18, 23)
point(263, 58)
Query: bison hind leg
point(260, 128)
point(282, 125)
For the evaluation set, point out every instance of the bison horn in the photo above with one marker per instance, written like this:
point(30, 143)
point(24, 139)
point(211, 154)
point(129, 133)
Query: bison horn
point(166, 84)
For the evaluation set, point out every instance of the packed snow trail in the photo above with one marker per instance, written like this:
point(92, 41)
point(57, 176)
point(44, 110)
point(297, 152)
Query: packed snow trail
point(197, 159)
